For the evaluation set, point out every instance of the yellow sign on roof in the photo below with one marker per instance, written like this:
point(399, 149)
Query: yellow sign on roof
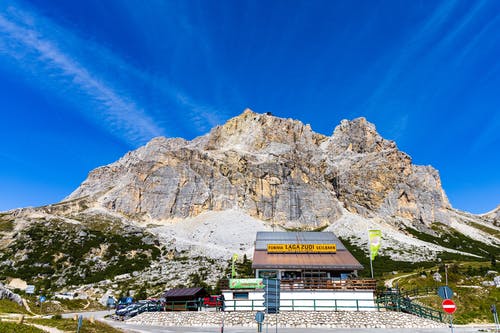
point(301, 248)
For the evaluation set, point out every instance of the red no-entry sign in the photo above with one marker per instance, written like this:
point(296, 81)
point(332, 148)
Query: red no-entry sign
point(449, 306)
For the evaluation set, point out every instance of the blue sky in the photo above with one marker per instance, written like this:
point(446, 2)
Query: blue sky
point(83, 82)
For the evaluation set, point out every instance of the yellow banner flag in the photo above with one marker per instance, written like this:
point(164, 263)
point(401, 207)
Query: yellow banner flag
point(375, 240)
point(233, 269)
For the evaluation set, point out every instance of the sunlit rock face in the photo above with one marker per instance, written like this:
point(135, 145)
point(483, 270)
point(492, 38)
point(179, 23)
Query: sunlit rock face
point(274, 169)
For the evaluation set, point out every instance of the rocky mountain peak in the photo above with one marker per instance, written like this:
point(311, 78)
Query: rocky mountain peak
point(273, 169)
point(359, 136)
point(254, 132)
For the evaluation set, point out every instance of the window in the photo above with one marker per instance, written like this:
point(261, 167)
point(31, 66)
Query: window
point(290, 275)
point(268, 274)
point(240, 295)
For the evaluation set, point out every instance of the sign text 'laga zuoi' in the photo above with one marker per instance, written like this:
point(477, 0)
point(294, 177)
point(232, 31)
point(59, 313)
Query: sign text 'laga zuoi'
point(301, 248)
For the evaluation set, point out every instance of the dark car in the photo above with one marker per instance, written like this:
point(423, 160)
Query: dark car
point(126, 311)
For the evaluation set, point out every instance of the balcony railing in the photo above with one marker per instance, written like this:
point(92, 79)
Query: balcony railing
point(318, 283)
point(324, 283)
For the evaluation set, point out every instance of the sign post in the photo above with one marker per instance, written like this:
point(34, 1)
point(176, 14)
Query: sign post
point(259, 318)
point(79, 324)
point(493, 309)
point(449, 307)
point(30, 289)
point(445, 292)
point(41, 299)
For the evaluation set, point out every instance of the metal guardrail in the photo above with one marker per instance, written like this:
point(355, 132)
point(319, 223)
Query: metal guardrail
point(257, 304)
point(392, 301)
point(418, 292)
point(305, 305)
point(396, 302)
point(389, 303)
point(408, 293)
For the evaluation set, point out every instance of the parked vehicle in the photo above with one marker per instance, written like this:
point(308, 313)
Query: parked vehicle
point(212, 301)
point(150, 306)
point(128, 309)
point(137, 308)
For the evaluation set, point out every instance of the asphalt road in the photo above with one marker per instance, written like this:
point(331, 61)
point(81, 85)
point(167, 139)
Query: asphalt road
point(271, 329)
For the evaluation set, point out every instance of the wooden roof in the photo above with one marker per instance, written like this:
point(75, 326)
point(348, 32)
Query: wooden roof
point(184, 293)
point(342, 260)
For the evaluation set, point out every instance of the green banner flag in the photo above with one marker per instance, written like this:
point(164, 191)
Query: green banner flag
point(375, 240)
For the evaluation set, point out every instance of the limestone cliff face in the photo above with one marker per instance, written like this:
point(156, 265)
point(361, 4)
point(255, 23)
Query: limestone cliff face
point(277, 170)
point(372, 177)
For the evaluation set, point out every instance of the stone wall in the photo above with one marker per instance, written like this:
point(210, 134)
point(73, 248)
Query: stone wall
point(299, 319)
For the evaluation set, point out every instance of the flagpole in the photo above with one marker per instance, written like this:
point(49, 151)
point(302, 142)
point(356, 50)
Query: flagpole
point(370, 254)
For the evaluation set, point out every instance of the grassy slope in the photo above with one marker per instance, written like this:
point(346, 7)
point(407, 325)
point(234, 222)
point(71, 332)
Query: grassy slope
point(70, 325)
point(473, 304)
point(465, 279)
point(18, 328)
point(7, 306)
point(381, 264)
point(59, 248)
point(451, 238)
point(58, 306)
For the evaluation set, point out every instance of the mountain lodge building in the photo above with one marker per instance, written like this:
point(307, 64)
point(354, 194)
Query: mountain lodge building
point(314, 271)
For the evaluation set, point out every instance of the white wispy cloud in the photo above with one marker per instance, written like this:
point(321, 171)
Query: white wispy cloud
point(27, 39)
point(462, 24)
point(482, 35)
point(408, 54)
point(100, 84)
point(203, 116)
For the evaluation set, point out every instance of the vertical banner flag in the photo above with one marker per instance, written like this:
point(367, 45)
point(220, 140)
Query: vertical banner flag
point(375, 238)
point(233, 269)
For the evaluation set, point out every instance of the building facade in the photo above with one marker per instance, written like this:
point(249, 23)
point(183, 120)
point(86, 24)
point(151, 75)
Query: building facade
point(315, 272)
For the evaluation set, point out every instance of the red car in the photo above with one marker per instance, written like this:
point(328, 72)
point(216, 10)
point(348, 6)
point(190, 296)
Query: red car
point(212, 301)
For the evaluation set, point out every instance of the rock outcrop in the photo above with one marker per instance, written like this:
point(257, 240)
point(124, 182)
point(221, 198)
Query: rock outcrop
point(277, 170)
point(494, 215)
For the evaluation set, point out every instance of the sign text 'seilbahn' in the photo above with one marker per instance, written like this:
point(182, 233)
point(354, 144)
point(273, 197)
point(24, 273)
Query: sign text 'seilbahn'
point(301, 248)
